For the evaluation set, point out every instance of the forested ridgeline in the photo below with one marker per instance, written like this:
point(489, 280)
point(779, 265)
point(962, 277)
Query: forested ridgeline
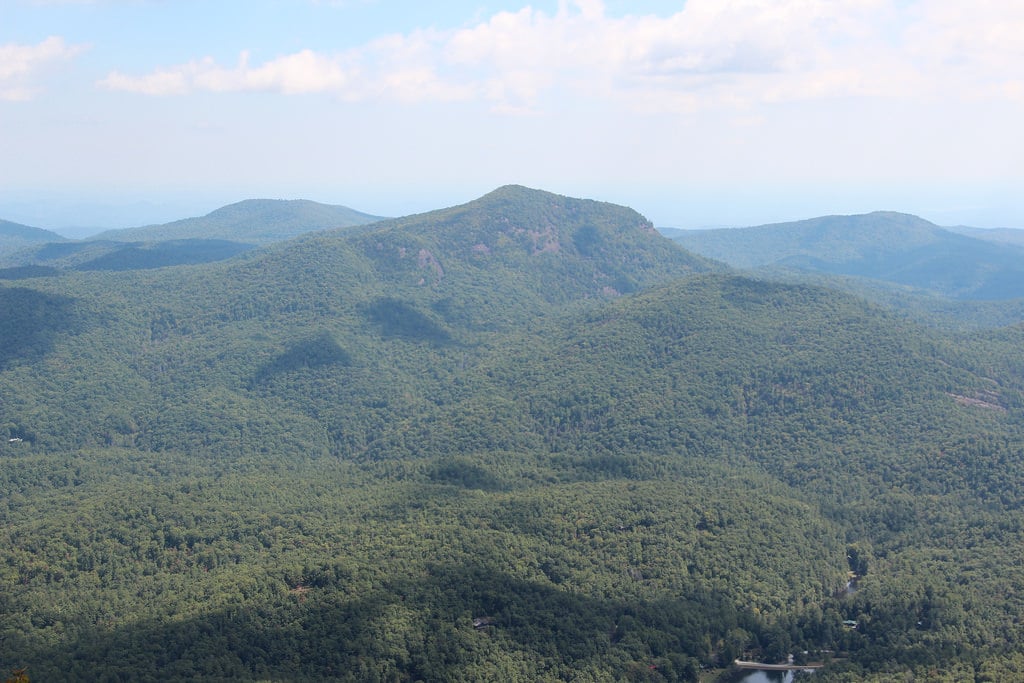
point(901, 250)
point(522, 439)
point(30, 252)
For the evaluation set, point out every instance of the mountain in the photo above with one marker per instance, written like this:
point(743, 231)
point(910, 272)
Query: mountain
point(14, 236)
point(52, 258)
point(885, 246)
point(525, 438)
point(447, 281)
point(25, 233)
point(253, 221)
point(933, 309)
point(560, 248)
point(1013, 236)
point(224, 233)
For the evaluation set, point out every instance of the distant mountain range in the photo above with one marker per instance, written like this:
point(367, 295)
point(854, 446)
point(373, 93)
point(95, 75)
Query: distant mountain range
point(220, 234)
point(253, 221)
point(961, 263)
point(999, 235)
point(14, 236)
point(898, 248)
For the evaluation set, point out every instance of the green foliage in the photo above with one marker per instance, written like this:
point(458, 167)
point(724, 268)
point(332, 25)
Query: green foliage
point(163, 254)
point(449, 447)
point(33, 320)
point(15, 237)
point(399, 320)
point(317, 352)
point(50, 259)
point(883, 246)
point(253, 221)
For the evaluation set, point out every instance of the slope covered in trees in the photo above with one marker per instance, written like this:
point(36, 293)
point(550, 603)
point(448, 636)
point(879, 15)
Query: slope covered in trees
point(887, 246)
point(526, 438)
point(1013, 236)
point(50, 259)
point(14, 236)
point(219, 235)
point(252, 221)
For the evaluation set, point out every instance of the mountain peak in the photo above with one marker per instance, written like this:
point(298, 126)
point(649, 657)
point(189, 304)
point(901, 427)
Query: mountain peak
point(513, 188)
point(248, 208)
point(517, 218)
point(27, 233)
point(15, 237)
point(253, 221)
point(514, 194)
point(556, 247)
point(882, 245)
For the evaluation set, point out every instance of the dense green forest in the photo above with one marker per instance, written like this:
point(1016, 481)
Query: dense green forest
point(903, 250)
point(15, 237)
point(526, 438)
point(30, 252)
point(253, 221)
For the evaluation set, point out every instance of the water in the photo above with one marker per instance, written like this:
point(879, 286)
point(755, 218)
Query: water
point(768, 677)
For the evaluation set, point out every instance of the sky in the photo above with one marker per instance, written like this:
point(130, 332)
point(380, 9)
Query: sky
point(700, 113)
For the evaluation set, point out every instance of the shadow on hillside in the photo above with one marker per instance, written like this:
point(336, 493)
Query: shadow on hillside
point(31, 321)
point(185, 252)
point(436, 627)
point(27, 272)
point(316, 352)
point(397, 319)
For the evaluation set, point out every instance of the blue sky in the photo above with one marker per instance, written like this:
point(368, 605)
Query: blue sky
point(697, 113)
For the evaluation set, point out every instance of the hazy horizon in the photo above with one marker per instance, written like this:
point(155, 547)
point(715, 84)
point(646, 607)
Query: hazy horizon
point(697, 113)
point(79, 219)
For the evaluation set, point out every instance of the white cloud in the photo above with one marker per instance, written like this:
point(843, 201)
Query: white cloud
point(734, 53)
point(20, 64)
point(301, 72)
point(710, 52)
point(976, 48)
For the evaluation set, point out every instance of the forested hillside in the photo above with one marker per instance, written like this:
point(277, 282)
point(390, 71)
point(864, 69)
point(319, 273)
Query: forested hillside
point(526, 438)
point(219, 235)
point(14, 236)
point(1013, 236)
point(882, 246)
point(253, 221)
